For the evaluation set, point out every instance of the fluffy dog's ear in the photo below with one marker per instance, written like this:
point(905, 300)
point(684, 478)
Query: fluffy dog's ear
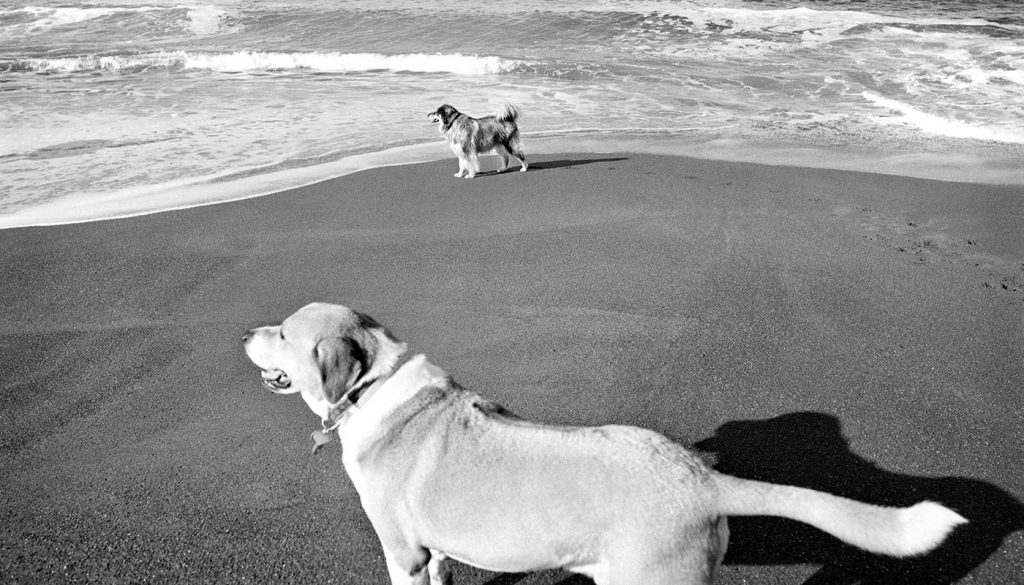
point(343, 362)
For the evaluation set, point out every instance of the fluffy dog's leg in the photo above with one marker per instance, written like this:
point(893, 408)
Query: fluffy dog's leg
point(463, 165)
point(517, 151)
point(472, 163)
point(503, 152)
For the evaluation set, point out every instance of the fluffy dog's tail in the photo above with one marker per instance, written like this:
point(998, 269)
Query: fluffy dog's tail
point(898, 532)
point(509, 113)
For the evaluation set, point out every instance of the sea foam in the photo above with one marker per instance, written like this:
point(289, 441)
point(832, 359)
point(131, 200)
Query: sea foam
point(938, 125)
point(243, 61)
point(351, 62)
point(33, 20)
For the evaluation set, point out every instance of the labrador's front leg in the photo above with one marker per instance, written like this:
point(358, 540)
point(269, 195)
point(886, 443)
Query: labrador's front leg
point(408, 569)
point(440, 574)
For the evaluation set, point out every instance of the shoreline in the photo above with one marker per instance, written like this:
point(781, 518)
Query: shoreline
point(203, 191)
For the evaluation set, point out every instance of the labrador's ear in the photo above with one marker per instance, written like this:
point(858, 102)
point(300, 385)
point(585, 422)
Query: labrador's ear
point(343, 362)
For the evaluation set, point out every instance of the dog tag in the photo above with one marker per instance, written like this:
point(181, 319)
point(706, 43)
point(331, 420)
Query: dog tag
point(321, 438)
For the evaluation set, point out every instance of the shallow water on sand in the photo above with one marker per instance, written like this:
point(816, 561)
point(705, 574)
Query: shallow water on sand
point(118, 101)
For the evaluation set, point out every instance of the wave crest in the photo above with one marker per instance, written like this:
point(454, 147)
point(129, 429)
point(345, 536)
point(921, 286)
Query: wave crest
point(198, 20)
point(934, 124)
point(243, 61)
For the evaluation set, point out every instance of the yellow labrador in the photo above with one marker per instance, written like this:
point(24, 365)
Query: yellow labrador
point(442, 472)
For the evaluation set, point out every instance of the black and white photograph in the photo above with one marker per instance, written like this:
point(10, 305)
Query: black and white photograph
point(544, 292)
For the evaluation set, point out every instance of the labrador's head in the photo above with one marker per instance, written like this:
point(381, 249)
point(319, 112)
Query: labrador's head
point(322, 351)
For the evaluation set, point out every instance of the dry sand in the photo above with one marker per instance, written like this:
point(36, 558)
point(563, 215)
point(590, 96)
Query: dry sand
point(850, 332)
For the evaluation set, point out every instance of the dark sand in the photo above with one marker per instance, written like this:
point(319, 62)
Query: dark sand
point(850, 332)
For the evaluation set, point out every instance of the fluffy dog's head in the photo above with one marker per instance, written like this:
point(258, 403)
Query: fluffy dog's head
point(443, 115)
point(322, 351)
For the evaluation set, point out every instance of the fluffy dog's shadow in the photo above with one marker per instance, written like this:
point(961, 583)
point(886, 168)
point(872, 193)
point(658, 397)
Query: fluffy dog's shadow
point(566, 163)
point(808, 449)
point(554, 164)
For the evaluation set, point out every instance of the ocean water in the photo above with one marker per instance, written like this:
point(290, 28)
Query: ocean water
point(111, 105)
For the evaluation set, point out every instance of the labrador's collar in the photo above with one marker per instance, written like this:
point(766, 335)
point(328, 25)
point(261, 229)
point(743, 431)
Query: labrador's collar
point(349, 400)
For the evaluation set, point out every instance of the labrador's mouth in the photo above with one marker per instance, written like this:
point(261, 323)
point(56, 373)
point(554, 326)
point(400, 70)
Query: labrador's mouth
point(276, 380)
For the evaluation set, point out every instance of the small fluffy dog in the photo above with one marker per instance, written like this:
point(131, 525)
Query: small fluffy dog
point(445, 473)
point(470, 137)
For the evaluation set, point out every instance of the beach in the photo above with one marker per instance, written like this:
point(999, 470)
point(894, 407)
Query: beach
point(851, 332)
point(109, 100)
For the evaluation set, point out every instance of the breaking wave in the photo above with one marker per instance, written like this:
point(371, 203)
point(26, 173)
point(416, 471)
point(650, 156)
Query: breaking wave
point(938, 125)
point(244, 61)
point(199, 20)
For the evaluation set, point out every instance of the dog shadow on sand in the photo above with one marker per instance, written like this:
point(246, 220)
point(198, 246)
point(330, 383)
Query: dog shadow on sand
point(554, 164)
point(566, 163)
point(808, 449)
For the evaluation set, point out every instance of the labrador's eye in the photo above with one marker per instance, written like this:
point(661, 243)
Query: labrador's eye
point(281, 335)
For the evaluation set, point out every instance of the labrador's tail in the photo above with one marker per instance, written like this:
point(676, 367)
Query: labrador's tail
point(898, 532)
